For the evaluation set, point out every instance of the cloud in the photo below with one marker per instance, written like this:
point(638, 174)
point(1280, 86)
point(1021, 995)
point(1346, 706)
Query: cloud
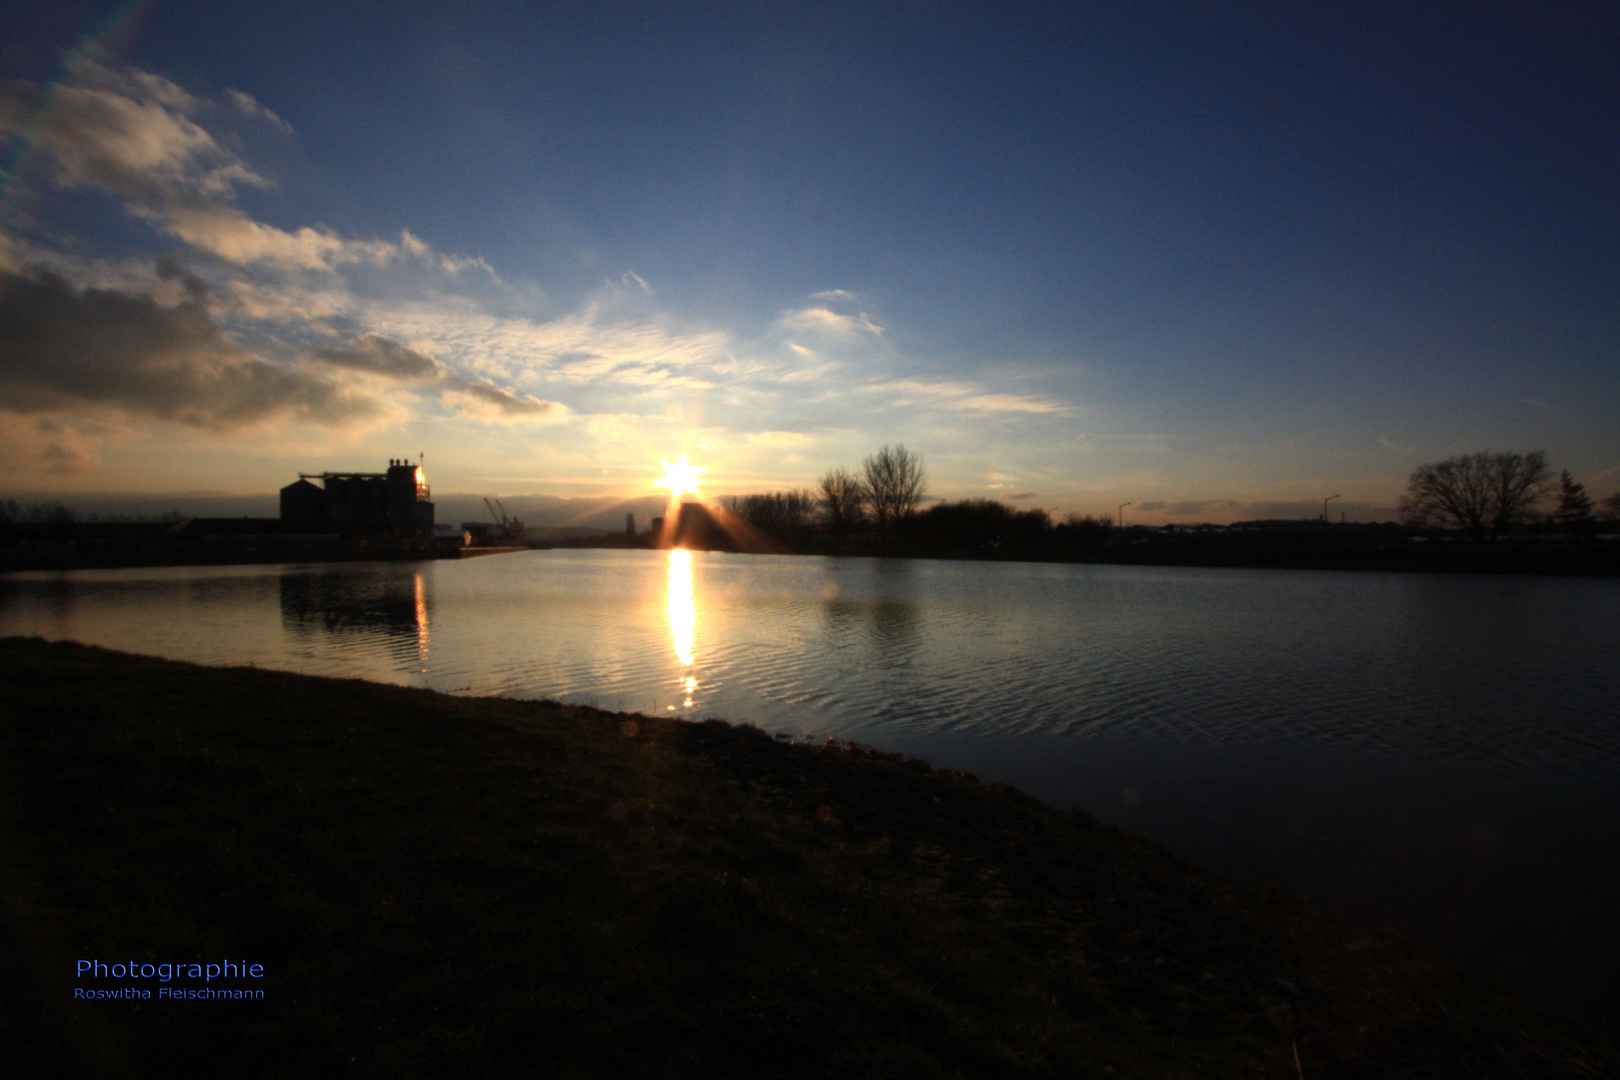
point(961, 397)
point(581, 348)
point(70, 351)
point(1019, 495)
point(135, 135)
point(127, 135)
point(61, 458)
point(247, 106)
point(825, 321)
point(491, 402)
point(373, 354)
point(62, 349)
point(379, 356)
point(231, 235)
point(48, 445)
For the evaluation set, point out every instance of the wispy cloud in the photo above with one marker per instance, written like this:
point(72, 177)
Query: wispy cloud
point(960, 397)
point(247, 106)
point(824, 321)
point(371, 354)
point(577, 348)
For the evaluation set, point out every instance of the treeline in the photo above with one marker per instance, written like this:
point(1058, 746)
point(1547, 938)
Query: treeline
point(879, 506)
point(800, 519)
point(13, 512)
point(1479, 496)
point(789, 516)
point(987, 525)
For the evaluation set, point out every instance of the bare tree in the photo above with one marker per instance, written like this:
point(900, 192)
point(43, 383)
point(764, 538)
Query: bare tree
point(1481, 494)
point(844, 497)
point(895, 483)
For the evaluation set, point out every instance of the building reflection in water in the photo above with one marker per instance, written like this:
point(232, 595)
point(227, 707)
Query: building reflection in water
point(682, 619)
point(392, 609)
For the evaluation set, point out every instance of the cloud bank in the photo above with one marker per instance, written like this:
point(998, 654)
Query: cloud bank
point(62, 348)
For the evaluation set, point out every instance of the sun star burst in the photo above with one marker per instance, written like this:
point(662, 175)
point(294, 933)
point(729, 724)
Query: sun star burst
point(680, 477)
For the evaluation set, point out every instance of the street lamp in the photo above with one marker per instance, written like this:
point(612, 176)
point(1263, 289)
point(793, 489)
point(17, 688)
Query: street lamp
point(1325, 501)
point(1122, 507)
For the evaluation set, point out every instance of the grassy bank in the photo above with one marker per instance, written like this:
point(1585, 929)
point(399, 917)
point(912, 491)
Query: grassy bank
point(442, 886)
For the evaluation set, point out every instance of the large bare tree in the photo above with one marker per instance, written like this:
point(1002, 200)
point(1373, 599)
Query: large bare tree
point(844, 496)
point(895, 484)
point(1481, 494)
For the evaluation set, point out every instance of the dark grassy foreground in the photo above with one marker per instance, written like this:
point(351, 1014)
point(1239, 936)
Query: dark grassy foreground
point(442, 886)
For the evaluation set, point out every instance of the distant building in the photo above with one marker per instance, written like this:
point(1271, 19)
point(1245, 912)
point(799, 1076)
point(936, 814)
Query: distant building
point(395, 502)
point(448, 538)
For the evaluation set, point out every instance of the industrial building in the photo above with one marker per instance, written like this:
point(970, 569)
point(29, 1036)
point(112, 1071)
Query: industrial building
point(392, 503)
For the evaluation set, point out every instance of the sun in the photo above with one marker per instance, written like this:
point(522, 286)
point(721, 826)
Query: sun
point(680, 477)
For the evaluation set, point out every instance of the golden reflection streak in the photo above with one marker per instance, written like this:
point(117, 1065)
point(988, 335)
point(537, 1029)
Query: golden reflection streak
point(421, 621)
point(682, 615)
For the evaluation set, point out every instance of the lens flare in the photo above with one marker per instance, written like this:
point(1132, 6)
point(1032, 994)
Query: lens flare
point(680, 477)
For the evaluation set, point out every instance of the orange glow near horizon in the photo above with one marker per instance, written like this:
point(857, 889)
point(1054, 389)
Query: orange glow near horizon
point(680, 477)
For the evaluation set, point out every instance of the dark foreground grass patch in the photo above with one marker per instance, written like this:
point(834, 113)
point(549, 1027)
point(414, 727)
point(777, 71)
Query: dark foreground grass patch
point(442, 886)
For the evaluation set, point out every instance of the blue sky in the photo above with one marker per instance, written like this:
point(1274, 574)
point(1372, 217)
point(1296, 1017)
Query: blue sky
point(1220, 261)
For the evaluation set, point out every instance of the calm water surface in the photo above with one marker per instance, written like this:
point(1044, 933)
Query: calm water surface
point(1435, 753)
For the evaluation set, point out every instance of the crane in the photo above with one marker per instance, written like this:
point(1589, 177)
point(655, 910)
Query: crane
point(511, 529)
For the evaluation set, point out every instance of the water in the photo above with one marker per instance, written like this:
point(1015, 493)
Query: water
point(1436, 754)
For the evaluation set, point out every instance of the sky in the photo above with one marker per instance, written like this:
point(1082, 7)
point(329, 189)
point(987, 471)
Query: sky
point(1217, 261)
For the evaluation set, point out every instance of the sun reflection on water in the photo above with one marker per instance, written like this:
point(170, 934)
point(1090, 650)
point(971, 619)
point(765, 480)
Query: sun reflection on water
point(682, 615)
